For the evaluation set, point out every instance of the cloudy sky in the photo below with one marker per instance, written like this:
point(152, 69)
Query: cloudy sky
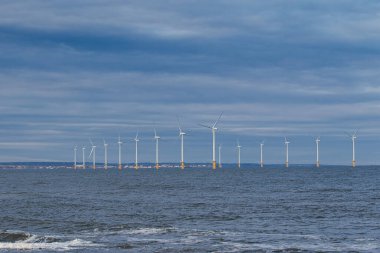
point(70, 70)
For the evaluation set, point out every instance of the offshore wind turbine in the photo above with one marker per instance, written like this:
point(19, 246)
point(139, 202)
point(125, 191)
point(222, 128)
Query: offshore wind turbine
point(317, 140)
point(213, 130)
point(93, 150)
point(83, 157)
point(261, 154)
point(105, 155)
point(238, 151)
point(220, 156)
point(353, 137)
point(156, 138)
point(136, 147)
point(119, 143)
point(75, 157)
point(181, 136)
point(287, 152)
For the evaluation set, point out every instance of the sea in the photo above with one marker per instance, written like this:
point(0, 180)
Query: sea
point(251, 209)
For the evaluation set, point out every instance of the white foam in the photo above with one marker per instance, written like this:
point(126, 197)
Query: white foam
point(57, 246)
point(146, 231)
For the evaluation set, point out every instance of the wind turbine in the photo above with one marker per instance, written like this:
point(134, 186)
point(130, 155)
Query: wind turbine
point(136, 142)
point(261, 154)
point(220, 156)
point(238, 149)
point(213, 130)
point(181, 135)
point(83, 157)
point(317, 140)
point(105, 155)
point(353, 136)
point(157, 138)
point(287, 152)
point(75, 157)
point(119, 143)
point(93, 149)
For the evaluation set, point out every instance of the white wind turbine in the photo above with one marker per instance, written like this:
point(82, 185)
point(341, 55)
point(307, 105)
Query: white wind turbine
point(75, 157)
point(136, 154)
point(220, 156)
point(317, 140)
point(156, 138)
point(213, 130)
point(287, 152)
point(93, 150)
point(353, 137)
point(119, 143)
point(105, 154)
point(261, 154)
point(83, 157)
point(238, 151)
point(181, 135)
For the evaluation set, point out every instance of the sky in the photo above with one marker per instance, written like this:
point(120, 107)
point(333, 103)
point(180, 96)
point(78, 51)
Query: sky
point(73, 70)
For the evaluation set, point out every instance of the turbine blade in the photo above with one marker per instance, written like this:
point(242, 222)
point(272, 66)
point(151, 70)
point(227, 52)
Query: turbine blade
point(216, 122)
point(92, 144)
point(179, 124)
point(91, 152)
point(205, 126)
point(348, 134)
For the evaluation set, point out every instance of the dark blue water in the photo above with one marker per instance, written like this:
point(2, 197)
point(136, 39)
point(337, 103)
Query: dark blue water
point(332, 209)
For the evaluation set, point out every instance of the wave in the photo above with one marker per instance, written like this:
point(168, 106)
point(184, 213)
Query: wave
point(147, 231)
point(19, 240)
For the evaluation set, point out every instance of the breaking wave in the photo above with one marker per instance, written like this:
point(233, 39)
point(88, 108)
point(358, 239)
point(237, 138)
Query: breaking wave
point(19, 240)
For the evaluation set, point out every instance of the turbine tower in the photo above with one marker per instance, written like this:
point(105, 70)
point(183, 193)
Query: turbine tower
point(93, 149)
point(213, 130)
point(287, 152)
point(220, 156)
point(157, 138)
point(83, 157)
point(261, 154)
point(238, 149)
point(119, 143)
point(136, 160)
point(353, 137)
point(181, 135)
point(105, 155)
point(317, 142)
point(75, 157)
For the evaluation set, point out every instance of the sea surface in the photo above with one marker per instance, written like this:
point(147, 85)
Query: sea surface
point(273, 209)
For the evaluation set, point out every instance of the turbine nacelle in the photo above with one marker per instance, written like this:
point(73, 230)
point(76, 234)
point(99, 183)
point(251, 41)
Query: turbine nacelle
point(137, 137)
point(155, 135)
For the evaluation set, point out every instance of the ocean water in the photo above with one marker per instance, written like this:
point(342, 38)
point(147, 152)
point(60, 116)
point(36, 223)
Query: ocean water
point(299, 209)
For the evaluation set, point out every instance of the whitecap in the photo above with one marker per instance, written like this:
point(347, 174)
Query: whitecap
point(56, 246)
